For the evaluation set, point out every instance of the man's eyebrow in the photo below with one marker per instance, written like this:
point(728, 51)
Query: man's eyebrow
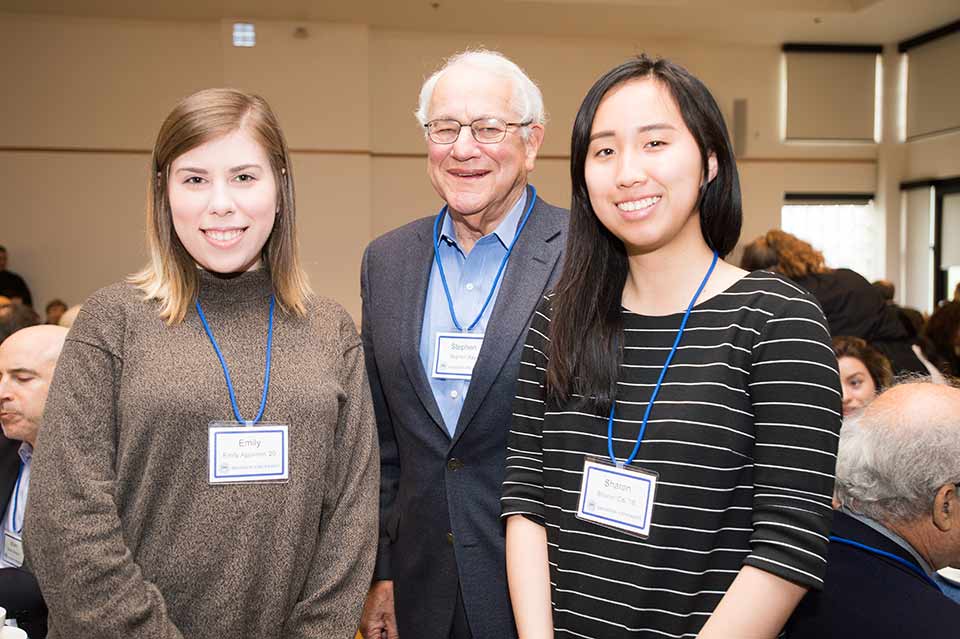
point(640, 129)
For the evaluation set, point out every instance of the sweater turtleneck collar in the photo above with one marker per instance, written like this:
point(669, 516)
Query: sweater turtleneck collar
point(250, 285)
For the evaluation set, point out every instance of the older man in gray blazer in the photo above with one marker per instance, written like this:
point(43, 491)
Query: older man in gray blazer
point(447, 300)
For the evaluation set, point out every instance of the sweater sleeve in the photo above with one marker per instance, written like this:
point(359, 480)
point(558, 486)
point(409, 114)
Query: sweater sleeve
point(523, 480)
point(74, 538)
point(795, 392)
point(341, 567)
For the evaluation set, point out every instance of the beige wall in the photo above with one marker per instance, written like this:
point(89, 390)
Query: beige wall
point(345, 94)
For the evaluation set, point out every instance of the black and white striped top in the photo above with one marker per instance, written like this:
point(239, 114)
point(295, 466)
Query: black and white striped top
point(743, 435)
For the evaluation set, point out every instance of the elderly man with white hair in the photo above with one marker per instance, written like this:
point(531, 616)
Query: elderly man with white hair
point(447, 300)
point(898, 470)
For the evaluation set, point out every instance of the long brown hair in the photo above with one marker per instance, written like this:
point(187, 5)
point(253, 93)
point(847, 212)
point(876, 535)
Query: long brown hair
point(170, 275)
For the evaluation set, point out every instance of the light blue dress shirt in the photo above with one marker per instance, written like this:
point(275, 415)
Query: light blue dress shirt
point(21, 488)
point(469, 277)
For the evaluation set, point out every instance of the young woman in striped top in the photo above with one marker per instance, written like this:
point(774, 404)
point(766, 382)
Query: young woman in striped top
point(671, 459)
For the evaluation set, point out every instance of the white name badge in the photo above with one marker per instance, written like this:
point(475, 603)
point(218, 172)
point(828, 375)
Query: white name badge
point(12, 549)
point(456, 355)
point(243, 454)
point(617, 497)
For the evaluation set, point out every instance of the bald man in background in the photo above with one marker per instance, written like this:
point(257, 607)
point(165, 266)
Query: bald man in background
point(27, 361)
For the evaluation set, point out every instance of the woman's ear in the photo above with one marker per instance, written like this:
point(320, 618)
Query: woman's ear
point(712, 166)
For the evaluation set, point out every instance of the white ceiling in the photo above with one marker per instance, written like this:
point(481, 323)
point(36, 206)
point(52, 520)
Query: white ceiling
point(756, 21)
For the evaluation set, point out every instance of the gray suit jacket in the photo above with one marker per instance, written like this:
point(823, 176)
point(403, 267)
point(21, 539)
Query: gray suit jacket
point(440, 496)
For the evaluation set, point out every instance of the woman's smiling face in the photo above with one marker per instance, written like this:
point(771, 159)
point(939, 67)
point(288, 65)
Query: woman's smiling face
point(643, 168)
point(223, 200)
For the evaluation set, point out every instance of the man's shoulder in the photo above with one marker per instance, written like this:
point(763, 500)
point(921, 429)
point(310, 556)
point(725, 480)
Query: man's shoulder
point(401, 238)
point(552, 215)
point(558, 211)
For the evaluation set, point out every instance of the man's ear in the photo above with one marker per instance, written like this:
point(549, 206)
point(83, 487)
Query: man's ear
point(946, 505)
point(532, 144)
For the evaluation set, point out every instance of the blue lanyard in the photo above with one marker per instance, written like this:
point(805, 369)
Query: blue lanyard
point(503, 263)
point(226, 373)
point(888, 555)
point(16, 501)
point(663, 372)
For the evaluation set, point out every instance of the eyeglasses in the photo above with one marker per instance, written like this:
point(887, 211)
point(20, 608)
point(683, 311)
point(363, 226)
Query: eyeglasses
point(484, 130)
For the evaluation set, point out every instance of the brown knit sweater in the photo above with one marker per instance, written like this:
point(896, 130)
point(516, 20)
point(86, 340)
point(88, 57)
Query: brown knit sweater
point(125, 534)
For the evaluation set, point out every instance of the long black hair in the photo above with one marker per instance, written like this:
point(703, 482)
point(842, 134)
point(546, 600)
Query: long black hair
point(586, 331)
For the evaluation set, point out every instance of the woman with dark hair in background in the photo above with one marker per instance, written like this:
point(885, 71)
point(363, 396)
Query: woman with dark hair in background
point(186, 483)
point(864, 372)
point(851, 304)
point(943, 330)
point(670, 464)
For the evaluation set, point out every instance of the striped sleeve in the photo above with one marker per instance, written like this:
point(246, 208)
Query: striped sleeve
point(523, 479)
point(795, 393)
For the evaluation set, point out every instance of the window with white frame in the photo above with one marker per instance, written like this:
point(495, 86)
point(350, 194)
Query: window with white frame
point(847, 229)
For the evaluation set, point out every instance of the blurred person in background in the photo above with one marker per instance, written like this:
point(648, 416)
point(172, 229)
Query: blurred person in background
point(55, 310)
point(864, 372)
point(14, 316)
point(69, 316)
point(11, 284)
point(852, 305)
point(943, 330)
point(886, 289)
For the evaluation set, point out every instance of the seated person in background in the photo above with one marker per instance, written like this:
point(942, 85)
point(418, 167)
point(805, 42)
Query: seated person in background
point(898, 466)
point(852, 305)
point(55, 310)
point(27, 360)
point(12, 319)
point(14, 316)
point(864, 372)
point(66, 320)
point(11, 284)
point(886, 289)
point(943, 330)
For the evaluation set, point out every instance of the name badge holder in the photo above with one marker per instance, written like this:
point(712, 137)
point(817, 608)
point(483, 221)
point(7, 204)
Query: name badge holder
point(246, 451)
point(238, 453)
point(13, 538)
point(615, 494)
point(456, 352)
point(12, 548)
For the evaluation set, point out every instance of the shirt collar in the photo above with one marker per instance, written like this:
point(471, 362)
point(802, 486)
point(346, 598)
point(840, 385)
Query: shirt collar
point(892, 536)
point(25, 452)
point(505, 231)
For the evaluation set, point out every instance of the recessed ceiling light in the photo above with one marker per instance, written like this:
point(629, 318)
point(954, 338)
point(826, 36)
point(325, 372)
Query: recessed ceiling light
point(244, 34)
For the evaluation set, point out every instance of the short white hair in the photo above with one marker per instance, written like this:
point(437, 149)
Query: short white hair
point(527, 99)
point(893, 459)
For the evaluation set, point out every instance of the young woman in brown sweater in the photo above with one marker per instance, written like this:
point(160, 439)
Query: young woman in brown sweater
point(209, 464)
